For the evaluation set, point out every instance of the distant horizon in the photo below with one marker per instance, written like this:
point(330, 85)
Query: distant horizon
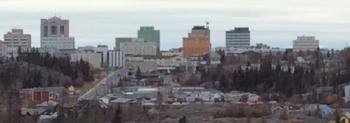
point(271, 22)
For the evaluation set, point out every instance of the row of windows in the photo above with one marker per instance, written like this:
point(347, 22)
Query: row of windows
point(16, 39)
point(238, 41)
point(237, 34)
point(54, 30)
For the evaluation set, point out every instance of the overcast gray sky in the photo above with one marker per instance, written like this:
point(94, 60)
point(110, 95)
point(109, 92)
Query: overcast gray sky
point(274, 22)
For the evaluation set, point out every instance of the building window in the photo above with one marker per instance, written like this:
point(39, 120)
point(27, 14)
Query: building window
point(61, 30)
point(46, 31)
point(53, 30)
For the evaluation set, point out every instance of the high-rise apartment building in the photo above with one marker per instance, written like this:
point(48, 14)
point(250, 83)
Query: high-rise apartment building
point(16, 39)
point(115, 58)
point(197, 43)
point(305, 43)
point(238, 38)
point(55, 34)
point(149, 34)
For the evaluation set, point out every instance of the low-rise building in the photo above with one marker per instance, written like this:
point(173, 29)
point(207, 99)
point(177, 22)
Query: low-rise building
point(347, 93)
point(166, 61)
point(134, 63)
point(195, 94)
point(214, 58)
point(172, 52)
point(94, 59)
point(243, 97)
point(42, 94)
point(258, 50)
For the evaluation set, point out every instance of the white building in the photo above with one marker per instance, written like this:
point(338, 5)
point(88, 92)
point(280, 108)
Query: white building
point(238, 38)
point(86, 49)
point(240, 50)
point(55, 34)
point(102, 49)
point(305, 43)
point(16, 39)
point(50, 51)
point(115, 58)
point(135, 46)
point(172, 52)
point(166, 61)
point(94, 59)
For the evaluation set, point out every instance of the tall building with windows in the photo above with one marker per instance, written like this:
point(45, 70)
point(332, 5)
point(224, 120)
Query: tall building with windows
point(136, 46)
point(149, 34)
point(203, 30)
point(305, 43)
point(238, 38)
point(55, 34)
point(197, 43)
point(16, 39)
point(115, 58)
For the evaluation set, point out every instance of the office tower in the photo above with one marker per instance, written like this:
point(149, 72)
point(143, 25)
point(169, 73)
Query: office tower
point(55, 34)
point(136, 46)
point(16, 39)
point(202, 30)
point(149, 35)
point(197, 43)
point(305, 43)
point(238, 38)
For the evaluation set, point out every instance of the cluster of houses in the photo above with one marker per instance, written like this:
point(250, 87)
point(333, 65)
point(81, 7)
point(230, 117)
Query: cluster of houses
point(46, 102)
point(148, 96)
point(132, 95)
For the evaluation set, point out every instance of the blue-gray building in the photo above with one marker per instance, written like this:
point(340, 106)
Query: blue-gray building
point(238, 38)
point(149, 34)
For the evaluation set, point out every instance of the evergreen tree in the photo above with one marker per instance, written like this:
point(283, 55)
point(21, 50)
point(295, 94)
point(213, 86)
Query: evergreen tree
point(138, 73)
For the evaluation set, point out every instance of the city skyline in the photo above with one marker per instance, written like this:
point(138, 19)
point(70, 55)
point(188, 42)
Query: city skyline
point(270, 22)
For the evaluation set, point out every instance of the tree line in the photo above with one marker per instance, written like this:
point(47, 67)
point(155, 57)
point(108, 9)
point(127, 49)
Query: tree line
point(274, 76)
point(77, 71)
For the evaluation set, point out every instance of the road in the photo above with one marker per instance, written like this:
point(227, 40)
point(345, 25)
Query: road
point(103, 87)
